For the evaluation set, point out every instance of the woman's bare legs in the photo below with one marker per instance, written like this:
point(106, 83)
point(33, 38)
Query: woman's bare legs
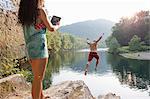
point(38, 69)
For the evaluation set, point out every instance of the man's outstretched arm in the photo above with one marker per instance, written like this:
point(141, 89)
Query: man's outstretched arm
point(99, 38)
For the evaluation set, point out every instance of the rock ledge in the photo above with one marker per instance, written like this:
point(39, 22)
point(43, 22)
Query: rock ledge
point(16, 87)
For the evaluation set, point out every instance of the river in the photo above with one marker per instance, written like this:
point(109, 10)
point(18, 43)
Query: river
point(127, 78)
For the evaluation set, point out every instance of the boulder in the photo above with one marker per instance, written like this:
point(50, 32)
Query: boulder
point(69, 90)
point(109, 96)
point(15, 87)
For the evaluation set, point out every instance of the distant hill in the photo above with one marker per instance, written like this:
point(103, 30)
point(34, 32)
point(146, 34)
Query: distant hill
point(89, 29)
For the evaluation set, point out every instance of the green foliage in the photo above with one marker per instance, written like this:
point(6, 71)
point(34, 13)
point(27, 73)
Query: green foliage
point(79, 43)
point(67, 42)
point(135, 44)
point(147, 38)
point(113, 45)
point(7, 67)
point(71, 42)
point(145, 48)
point(27, 75)
point(136, 25)
point(102, 44)
point(54, 41)
point(124, 49)
point(64, 41)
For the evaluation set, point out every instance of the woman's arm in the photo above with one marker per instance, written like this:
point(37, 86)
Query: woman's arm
point(45, 20)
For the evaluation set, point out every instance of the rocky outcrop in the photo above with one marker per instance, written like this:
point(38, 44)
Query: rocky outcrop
point(109, 96)
point(10, 31)
point(15, 87)
point(11, 37)
point(70, 90)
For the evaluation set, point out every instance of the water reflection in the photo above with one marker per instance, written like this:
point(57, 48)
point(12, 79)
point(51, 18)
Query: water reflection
point(135, 74)
point(65, 60)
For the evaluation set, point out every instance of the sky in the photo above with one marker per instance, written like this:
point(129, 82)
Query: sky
point(72, 11)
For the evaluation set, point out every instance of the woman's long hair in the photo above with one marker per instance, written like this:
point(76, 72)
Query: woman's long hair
point(28, 12)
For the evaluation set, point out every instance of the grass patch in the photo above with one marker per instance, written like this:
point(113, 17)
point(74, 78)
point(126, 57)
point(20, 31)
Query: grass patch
point(124, 49)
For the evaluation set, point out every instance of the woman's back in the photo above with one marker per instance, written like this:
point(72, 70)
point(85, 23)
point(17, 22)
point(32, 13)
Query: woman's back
point(34, 29)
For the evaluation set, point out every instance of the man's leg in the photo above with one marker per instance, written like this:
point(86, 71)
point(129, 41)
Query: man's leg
point(97, 61)
point(87, 67)
point(90, 57)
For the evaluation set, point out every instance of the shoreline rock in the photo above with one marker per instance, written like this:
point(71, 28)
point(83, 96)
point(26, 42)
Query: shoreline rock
point(109, 96)
point(138, 55)
point(69, 90)
point(16, 87)
point(12, 85)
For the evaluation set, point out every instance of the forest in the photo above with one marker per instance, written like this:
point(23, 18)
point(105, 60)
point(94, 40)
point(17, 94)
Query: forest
point(131, 34)
point(64, 41)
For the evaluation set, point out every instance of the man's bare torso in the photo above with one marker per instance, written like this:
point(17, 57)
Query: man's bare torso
point(93, 47)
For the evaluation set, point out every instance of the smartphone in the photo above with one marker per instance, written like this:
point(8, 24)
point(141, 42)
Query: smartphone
point(55, 20)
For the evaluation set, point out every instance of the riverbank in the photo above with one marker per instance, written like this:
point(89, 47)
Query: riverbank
point(16, 87)
point(137, 55)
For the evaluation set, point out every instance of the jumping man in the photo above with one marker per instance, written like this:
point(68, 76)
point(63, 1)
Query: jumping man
point(92, 53)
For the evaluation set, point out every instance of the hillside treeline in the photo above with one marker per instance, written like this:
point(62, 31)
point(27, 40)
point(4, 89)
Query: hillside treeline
point(130, 34)
point(126, 28)
point(64, 41)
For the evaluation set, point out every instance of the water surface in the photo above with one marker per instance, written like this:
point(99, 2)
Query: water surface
point(128, 78)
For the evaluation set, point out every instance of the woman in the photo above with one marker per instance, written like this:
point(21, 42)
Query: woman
point(34, 20)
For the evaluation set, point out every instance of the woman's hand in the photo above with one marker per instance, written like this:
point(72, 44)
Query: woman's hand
point(56, 27)
point(46, 21)
point(52, 29)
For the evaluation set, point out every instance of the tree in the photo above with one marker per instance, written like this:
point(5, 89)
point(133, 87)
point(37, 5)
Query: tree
point(135, 43)
point(67, 44)
point(147, 39)
point(54, 41)
point(126, 28)
point(113, 45)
